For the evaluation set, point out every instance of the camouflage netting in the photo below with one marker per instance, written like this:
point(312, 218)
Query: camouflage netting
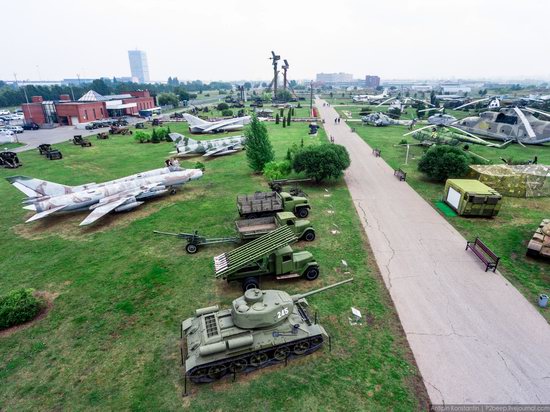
point(514, 180)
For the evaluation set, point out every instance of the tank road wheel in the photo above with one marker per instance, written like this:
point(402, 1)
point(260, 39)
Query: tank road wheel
point(197, 375)
point(251, 283)
point(281, 353)
point(191, 248)
point(312, 273)
point(238, 365)
point(302, 212)
point(215, 372)
point(309, 236)
point(258, 359)
point(301, 347)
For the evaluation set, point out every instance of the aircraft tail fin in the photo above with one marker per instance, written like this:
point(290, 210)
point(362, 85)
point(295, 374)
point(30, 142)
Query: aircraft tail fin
point(37, 188)
point(181, 140)
point(194, 121)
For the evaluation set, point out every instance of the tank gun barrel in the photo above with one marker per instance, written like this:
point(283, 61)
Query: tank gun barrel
point(303, 295)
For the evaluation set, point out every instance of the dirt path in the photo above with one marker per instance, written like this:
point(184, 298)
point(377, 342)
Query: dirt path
point(475, 338)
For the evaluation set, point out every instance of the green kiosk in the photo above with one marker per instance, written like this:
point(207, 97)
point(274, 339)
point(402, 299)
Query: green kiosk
point(469, 197)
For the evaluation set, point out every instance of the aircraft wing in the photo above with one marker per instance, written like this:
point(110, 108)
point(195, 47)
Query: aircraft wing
point(101, 211)
point(219, 124)
point(45, 213)
point(223, 150)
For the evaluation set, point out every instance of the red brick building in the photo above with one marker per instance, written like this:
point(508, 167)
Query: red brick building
point(92, 106)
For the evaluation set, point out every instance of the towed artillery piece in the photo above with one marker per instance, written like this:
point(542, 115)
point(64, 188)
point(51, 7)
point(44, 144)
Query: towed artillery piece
point(50, 152)
point(102, 136)
point(278, 184)
point(79, 140)
point(9, 160)
point(123, 130)
point(261, 328)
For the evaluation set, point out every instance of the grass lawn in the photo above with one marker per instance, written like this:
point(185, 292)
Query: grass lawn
point(111, 340)
point(10, 145)
point(508, 233)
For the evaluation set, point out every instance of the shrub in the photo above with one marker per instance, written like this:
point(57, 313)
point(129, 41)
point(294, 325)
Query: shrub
point(222, 106)
point(277, 170)
point(155, 136)
point(321, 162)
point(441, 162)
point(142, 137)
point(227, 112)
point(258, 146)
point(162, 134)
point(277, 119)
point(199, 165)
point(17, 307)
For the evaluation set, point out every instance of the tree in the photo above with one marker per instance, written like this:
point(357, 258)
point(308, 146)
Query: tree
point(284, 121)
point(182, 93)
point(277, 119)
point(227, 112)
point(442, 162)
point(289, 117)
point(259, 151)
point(165, 99)
point(321, 162)
point(155, 136)
point(101, 87)
point(247, 85)
point(222, 106)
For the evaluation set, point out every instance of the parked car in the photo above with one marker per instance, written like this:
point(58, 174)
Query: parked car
point(4, 112)
point(6, 133)
point(30, 126)
point(15, 129)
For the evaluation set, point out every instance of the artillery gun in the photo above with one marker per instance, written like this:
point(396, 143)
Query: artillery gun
point(262, 328)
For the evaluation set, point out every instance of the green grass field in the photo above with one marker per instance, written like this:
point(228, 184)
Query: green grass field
point(110, 342)
point(508, 233)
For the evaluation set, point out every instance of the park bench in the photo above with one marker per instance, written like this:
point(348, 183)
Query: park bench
point(400, 174)
point(486, 255)
point(376, 152)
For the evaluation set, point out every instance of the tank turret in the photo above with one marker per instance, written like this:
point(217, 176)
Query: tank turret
point(262, 327)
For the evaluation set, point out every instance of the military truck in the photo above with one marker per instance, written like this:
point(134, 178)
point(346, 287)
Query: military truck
point(253, 228)
point(269, 255)
point(268, 203)
point(261, 328)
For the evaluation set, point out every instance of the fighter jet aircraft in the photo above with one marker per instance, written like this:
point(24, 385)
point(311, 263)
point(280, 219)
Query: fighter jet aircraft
point(118, 195)
point(186, 146)
point(197, 125)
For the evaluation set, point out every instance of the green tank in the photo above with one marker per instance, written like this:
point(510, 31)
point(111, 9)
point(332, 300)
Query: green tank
point(262, 328)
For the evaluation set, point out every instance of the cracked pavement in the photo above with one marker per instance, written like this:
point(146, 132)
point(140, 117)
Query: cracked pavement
point(475, 338)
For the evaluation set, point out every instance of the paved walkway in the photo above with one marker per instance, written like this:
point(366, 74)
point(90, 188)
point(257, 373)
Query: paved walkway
point(475, 338)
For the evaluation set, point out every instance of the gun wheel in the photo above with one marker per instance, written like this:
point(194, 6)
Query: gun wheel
point(238, 366)
point(301, 348)
point(191, 248)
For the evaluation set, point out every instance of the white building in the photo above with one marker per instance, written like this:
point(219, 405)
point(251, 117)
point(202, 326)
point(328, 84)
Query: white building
point(138, 65)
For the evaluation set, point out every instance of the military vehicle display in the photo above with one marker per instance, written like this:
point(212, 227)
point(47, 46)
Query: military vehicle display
point(250, 229)
point(378, 119)
point(9, 160)
point(262, 328)
point(268, 203)
point(539, 245)
point(269, 255)
point(186, 146)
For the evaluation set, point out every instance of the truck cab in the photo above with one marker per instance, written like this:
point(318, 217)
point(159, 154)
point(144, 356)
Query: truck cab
point(296, 204)
point(301, 227)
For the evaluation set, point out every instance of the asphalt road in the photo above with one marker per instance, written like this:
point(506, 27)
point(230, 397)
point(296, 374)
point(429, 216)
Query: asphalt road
point(34, 138)
point(475, 338)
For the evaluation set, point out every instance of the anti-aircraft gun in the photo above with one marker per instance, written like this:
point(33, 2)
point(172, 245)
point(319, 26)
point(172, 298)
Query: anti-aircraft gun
point(262, 328)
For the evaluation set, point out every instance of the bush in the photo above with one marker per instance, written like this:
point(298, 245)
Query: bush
point(199, 165)
point(142, 137)
point(321, 162)
point(155, 137)
point(162, 134)
point(258, 146)
point(441, 162)
point(168, 99)
point(277, 170)
point(17, 307)
point(227, 112)
point(222, 106)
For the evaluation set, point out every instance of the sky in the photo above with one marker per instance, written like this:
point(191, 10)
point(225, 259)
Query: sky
point(232, 39)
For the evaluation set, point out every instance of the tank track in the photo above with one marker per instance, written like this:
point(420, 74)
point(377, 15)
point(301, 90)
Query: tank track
point(251, 361)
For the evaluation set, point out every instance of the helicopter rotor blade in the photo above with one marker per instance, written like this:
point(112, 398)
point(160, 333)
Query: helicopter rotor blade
point(417, 130)
point(385, 101)
point(530, 132)
point(472, 102)
point(536, 111)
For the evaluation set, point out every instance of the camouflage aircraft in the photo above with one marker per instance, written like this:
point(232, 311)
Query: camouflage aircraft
point(513, 123)
point(444, 135)
point(381, 119)
point(117, 195)
point(186, 146)
point(197, 125)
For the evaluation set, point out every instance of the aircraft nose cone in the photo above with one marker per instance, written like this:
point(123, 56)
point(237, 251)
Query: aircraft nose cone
point(197, 174)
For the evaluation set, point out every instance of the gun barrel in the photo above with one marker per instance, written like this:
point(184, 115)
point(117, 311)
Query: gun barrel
point(158, 232)
point(303, 295)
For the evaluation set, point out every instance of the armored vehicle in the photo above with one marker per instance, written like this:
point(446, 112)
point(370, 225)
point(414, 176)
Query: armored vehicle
point(261, 328)
point(270, 254)
point(268, 203)
point(539, 245)
point(49, 151)
point(9, 160)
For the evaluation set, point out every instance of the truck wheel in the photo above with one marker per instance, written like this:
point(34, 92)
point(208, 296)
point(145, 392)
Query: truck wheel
point(251, 283)
point(309, 236)
point(302, 212)
point(191, 248)
point(312, 273)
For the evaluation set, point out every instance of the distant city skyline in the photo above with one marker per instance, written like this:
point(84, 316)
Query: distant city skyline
point(139, 67)
point(419, 39)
